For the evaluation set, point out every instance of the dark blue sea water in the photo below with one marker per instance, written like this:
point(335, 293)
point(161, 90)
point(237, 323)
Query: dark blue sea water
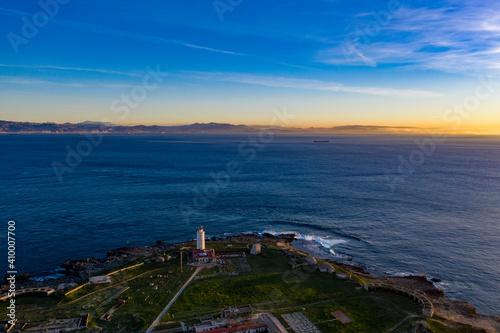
point(442, 220)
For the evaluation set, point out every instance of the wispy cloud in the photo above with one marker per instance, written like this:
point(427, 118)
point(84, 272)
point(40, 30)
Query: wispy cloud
point(30, 81)
point(263, 80)
point(77, 69)
point(458, 37)
point(103, 30)
point(107, 82)
point(99, 29)
point(311, 84)
point(20, 80)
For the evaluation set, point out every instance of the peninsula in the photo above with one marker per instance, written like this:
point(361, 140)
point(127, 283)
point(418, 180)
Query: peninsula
point(239, 283)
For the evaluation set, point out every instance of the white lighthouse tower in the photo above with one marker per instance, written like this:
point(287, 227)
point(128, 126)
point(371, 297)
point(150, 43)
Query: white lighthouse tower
point(200, 239)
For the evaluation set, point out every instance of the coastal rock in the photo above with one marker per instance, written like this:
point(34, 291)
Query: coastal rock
point(20, 277)
point(287, 237)
point(423, 284)
point(134, 251)
point(311, 260)
point(78, 267)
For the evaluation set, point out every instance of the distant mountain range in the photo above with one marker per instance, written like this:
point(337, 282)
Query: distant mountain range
point(106, 127)
point(93, 126)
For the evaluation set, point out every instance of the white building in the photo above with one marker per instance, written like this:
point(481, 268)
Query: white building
point(256, 249)
point(203, 256)
point(200, 239)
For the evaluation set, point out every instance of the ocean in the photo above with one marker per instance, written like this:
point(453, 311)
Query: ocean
point(438, 215)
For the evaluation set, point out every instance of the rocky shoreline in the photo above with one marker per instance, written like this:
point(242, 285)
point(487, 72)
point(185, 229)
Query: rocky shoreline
point(449, 311)
point(75, 271)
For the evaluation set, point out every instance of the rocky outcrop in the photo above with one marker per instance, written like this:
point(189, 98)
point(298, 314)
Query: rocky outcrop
point(80, 267)
point(133, 252)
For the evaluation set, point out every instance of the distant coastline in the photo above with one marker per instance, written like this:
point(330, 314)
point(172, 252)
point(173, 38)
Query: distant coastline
point(17, 127)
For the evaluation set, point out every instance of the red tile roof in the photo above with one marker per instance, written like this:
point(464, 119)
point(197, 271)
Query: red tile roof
point(244, 327)
point(202, 253)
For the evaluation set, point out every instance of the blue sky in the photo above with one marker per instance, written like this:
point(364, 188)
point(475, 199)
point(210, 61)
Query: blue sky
point(330, 63)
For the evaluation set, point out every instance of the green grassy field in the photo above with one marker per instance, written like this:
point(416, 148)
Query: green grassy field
point(274, 286)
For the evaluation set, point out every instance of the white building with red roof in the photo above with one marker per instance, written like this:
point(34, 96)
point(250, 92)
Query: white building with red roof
point(203, 256)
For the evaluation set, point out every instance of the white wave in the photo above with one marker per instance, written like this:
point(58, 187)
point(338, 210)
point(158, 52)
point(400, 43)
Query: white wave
point(442, 285)
point(403, 274)
point(321, 243)
point(46, 277)
point(325, 241)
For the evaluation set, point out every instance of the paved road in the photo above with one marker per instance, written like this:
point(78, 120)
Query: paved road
point(157, 320)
